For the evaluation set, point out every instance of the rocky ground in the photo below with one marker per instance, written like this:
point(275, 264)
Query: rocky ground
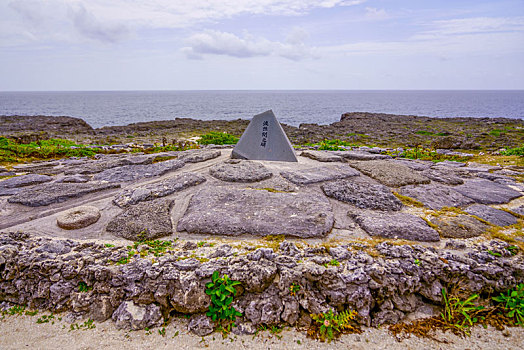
point(358, 127)
point(353, 229)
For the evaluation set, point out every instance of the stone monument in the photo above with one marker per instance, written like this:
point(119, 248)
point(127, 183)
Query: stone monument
point(264, 139)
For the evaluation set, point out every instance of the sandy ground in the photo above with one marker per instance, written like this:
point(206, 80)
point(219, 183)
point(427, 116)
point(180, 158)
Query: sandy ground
point(22, 332)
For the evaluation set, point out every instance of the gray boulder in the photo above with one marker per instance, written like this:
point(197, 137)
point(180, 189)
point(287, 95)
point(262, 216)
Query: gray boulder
point(157, 190)
point(460, 226)
point(390, 173)
point(365, 196)
point(398, 225)
point(50, 193)
point(492, 215)
point(313, 175)
point(136, 172)
point(236, 170)
point(233, 212)
point(25, 180)
point(144, 221)
point(487, 192)
point(436, 196)
point(131, 316)
point(78, 217)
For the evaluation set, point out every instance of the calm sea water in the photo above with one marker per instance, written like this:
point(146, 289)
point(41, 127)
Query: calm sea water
point(105, 108)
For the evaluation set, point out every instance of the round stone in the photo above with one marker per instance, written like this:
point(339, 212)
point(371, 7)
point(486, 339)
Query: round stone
point(235, 170)
point(78, 217)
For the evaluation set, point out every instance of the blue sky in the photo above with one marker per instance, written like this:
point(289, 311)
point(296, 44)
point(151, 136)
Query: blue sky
point(261, 44)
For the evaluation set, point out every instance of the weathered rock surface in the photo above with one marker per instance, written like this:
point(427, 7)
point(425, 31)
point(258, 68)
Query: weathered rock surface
point(131, 316)
point(360, 155)
point(460, 226)
point(492, 215)
point(232, 212)
point(157, 190)
point(200, 325)
point(143, 221)
point(313, 175)
point(78, 217)
point(25, 180)
point(487, 192)
point(78, 178)
point(197, 156)
point(50, 193)
point(136, 172)
point(399, 225)
point(436, 196)
point(236, 170)
point(414, 164)
point(321, 156)
point(390, 173)
point(381, 289)
point(443, 176)
point(365, 196)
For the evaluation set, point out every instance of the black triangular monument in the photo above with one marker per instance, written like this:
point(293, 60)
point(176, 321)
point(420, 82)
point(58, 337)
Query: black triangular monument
point(264, 139)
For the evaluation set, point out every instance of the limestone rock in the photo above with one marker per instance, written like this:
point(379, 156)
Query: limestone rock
point(360, 155)
point(200, 325)
point(418, 165)
point(131, 316)
point(157, 190)
point(487, 192)
point(78, 217)
point(25, 180)
point(460, 226)
point(492, 215)
point(399, 225)
point(146, 220)
point(436, 196)
point(235, 170)
point(446, 177)
point(232, 212)
point(197, 156)
point(77, 178)
point(390, 173)
point(321, 156)
point(313, 175)
point(136, 172)
point(365, 196)
point(50, 193)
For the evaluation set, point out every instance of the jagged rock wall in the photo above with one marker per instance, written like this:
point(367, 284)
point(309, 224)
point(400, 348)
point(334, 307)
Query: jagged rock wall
point(397, 280)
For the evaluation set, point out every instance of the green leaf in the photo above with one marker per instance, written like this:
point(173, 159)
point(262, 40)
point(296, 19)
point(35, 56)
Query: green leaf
point(215, 276)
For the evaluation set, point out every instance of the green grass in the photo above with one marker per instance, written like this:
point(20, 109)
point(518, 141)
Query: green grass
point(496, 132)
point(218, 138)
point(518, 151)
point(10, 151)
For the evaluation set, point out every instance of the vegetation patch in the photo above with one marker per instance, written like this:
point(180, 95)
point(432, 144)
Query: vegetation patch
point(222, 291)
point(329, 326)
point(218, 138)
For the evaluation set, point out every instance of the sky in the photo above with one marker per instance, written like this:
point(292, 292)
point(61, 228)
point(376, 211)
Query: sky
point(62, 45)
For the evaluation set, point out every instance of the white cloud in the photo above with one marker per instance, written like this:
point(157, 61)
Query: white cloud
point(475, 25)
point(108, 20)
point(376, 14)
point(212, 42)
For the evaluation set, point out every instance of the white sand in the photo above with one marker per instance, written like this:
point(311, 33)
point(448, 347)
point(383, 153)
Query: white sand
point(22, 332)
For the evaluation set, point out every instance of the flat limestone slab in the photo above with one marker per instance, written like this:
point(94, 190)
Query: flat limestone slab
point(487, 192)
point(25, 180)
point(365, 196)
point(460, 226)
point(50, 193)
point(313, 175)
point(398, 225)
point(390, 173)
point(136, 172)
point(436, 196)
point(492, 215)
point(236, 170)
point(232, 212)
point(321, 156)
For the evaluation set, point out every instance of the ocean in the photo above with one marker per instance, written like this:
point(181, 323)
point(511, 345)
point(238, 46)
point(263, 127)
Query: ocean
point(106, 108)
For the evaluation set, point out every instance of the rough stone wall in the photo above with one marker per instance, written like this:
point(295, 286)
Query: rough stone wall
point(399, 279)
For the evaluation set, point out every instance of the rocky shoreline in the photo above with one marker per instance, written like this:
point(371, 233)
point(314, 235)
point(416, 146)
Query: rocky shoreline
point(359, 127)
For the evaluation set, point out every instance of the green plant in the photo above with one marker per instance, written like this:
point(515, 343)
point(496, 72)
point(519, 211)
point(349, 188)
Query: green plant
point(222, 291)
point(460, 314)
point(162, 331)
point(218, 138)
point(83, 287)
point(46, 319)
point(294, 288)
point(513, 302)
point(331, 325)
point(333, 262)
point(89, 324)
point(108, 245)
point(518, 151)
point(491, 252)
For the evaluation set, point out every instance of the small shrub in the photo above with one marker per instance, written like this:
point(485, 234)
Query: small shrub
point(83, 287)
point(218, 138)
point(294, 288)
point(513, 303)
point(329, 326)
point(222, 291)
point(518, 151)
point(460, 314)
